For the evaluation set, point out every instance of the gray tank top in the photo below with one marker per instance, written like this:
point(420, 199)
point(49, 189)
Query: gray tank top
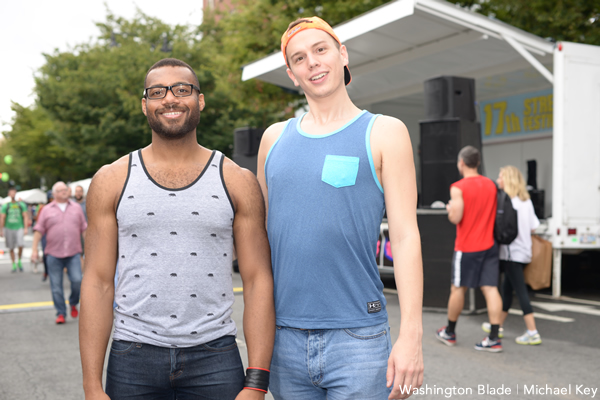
point(175, 250)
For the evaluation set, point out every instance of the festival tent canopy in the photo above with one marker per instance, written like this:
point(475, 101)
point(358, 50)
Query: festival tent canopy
point(31, 196)
point(397, 46)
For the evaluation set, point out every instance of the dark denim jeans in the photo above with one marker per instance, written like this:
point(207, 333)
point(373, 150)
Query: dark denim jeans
point(210, 371)
point(55, 272)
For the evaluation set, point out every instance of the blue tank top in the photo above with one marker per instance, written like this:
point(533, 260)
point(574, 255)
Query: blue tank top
point(325, 209)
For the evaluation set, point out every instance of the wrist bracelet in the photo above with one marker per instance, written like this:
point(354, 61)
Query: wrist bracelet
point(257, 379)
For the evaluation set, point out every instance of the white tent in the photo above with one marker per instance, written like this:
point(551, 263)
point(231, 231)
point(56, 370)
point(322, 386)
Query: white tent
point(31, 196)
point(85, 184)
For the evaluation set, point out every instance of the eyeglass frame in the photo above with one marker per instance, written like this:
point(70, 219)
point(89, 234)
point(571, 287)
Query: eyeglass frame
point(145, 94)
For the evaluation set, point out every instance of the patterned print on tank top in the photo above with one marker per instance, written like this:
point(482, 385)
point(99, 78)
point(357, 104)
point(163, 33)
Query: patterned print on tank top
point(175, 286)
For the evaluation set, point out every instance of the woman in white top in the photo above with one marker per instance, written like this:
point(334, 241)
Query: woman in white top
point(515, 256)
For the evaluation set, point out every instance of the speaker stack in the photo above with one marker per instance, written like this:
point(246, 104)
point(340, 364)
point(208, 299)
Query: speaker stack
point(246, 142)
point(449, 125)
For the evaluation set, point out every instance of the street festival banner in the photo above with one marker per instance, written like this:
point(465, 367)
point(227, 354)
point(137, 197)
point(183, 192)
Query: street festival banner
point(516, 117)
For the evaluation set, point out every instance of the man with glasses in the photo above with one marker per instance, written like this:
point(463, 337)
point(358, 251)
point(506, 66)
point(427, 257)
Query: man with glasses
point(169, 214)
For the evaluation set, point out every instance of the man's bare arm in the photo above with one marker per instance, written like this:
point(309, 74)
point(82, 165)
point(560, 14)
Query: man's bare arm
point(254, 257)
point(391, 143)
point(97, 288)
point(266, 143)
point(455, 206)
point(2, 221)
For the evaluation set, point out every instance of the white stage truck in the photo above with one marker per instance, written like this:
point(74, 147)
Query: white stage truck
point(534, 99)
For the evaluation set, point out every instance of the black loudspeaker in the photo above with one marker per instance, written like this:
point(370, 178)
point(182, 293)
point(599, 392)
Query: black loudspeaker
point(532, 174)
point(440, 143)
point(246, 142)
point(450, 97)
point(537, 198)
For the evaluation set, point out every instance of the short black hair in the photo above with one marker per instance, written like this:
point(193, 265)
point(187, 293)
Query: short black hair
point(470, 156)
point(171, 62)
point(12, 188)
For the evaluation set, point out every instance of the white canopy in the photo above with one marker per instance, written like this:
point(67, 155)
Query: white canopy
point(397, 46)
point(31, 196)
point(85, 184)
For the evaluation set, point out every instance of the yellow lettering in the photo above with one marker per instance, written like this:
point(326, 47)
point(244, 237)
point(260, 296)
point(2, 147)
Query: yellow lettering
point(516, 124)
point(487, 109)
point(543, 108)
point(508, 126)
point(527, 105)
point(536, 125)
point(551, 103)
point(501, 107)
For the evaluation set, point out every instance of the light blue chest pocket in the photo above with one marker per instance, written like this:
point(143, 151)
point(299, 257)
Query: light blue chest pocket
point(340, 171)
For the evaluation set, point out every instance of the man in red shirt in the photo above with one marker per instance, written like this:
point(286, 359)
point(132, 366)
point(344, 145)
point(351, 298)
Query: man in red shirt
point(63, 223)
point(472, 209)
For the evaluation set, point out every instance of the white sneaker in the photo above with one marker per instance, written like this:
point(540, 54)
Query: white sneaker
point(526, 338)
point(487, 328)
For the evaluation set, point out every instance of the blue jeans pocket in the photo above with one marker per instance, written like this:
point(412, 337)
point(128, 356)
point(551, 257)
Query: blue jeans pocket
point(340, 171)
point(224, 343)
point(119, 347)
point(367, 332)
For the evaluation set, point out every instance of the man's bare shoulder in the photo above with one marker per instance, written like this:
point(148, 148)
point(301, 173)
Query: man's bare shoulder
point(270, 135)
point(235, 174)
point(110, 179)
point(241, 182)
point(273, 131)
point(386, 126)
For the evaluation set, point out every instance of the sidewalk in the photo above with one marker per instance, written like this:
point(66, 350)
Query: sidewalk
point(40, 360)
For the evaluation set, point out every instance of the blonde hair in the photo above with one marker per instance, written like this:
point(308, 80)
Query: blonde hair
point(514, 183)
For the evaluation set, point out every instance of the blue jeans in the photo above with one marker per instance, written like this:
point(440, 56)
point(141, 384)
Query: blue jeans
point(210, 371)
point(55, 272)
point(332, 364)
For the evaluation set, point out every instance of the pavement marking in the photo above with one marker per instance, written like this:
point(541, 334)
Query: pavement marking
point(542, 316)
point(555, 307)
point(45, 304)
point(567, 298)
point(26, 305)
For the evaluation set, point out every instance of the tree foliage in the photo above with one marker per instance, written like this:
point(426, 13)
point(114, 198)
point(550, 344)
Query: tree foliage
point(87, 111)
point(88, 107)
point(566, 20)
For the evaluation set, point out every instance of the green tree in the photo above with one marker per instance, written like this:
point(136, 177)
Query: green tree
point(568, 20)
point(94, 92)
point(88, 101)
point(253, 31)
point(30, 142)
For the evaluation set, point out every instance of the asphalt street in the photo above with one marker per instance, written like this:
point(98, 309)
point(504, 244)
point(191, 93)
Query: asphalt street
point(40, 360)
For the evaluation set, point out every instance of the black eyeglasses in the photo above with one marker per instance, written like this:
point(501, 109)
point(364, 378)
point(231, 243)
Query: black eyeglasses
point(178, 90)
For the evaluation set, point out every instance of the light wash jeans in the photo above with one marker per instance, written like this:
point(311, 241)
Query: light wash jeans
point(332, 364)
point(55, 272)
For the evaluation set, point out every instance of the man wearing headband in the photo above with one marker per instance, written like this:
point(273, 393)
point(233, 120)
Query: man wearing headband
point(327, 178)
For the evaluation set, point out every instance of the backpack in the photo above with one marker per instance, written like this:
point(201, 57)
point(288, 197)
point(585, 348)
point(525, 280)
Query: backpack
point(506, 227)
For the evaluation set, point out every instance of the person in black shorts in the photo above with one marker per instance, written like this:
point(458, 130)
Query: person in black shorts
point(475, 263)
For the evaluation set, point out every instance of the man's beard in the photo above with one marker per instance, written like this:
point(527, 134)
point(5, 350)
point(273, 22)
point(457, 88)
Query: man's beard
point(173, 132)
point(78, 198)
